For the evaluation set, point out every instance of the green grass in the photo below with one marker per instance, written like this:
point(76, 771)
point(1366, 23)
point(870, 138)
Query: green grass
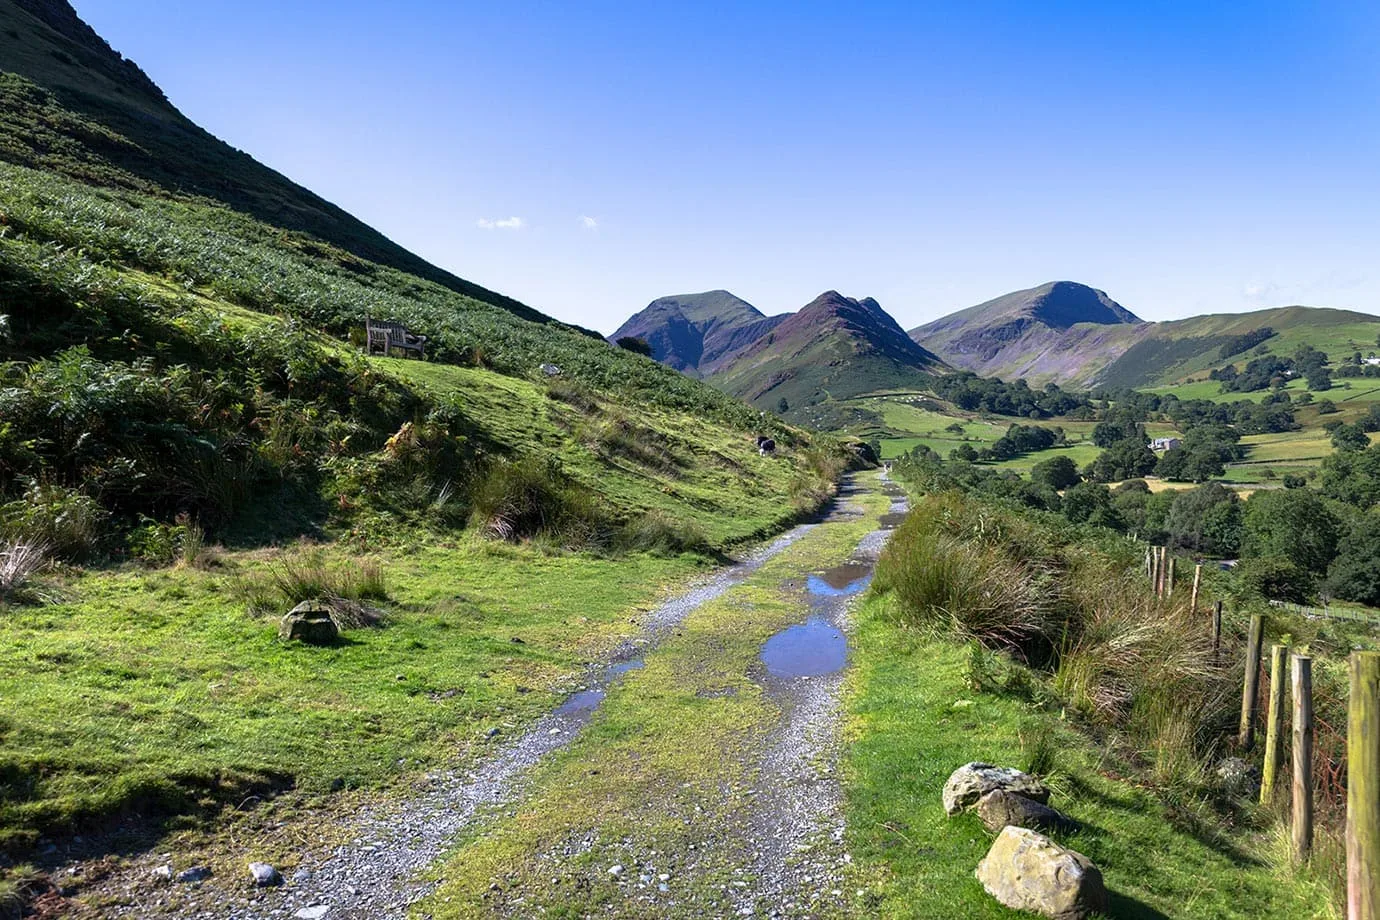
point(907, 735)
point(156, 687)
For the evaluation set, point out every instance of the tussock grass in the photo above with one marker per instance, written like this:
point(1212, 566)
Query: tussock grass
point(20, 561)
point(348, 589)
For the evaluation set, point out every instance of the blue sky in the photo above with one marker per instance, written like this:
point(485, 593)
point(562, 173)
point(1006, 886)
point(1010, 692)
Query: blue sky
point(587, 158)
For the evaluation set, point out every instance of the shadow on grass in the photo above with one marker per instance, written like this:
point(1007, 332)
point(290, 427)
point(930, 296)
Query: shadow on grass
point(1125, 907)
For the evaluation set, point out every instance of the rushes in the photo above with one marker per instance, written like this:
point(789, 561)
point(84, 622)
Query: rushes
point(20, 561)
point(348, 589)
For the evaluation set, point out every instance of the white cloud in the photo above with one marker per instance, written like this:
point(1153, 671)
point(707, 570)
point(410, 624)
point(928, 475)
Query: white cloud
point(1261, 291)
point(501, 223)
point(589, 223)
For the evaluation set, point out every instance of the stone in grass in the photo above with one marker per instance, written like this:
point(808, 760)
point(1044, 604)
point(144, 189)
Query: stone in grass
point(1025, 870)
point(310, 622)
point(999, 809)
point(194, 874)
point(972, 781)
point(265, 876)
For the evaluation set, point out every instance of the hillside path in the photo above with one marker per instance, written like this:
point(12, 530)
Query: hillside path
point(761, 834)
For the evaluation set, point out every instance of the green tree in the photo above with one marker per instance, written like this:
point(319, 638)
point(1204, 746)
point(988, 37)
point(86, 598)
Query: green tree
point(1091, 503)
point(1057, 473)
point(1350, 437)
point(1206, 520)
point(1293, 524)
point(1352, 476)
point(1355, 574)
point(635, 345)
point(1129, 458)
point(782, 406)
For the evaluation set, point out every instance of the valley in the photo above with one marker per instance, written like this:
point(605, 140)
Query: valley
point(334, 584)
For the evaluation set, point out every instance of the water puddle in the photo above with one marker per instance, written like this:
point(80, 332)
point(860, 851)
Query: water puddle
point(589, 699)
point(809, 649)
point(891, 520)
point(840, 581)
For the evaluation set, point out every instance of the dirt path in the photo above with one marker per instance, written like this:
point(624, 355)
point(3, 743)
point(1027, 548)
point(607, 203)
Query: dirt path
point(766, 840)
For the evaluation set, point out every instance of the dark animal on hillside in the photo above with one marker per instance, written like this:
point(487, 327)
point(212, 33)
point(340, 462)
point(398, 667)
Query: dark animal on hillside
point(765, 446)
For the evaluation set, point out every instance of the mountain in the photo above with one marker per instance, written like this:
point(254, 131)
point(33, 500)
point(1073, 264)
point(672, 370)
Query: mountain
point(1078, 337)
point(1061, 331)
point(69, 103)
point(693, 333)
point(835, 348)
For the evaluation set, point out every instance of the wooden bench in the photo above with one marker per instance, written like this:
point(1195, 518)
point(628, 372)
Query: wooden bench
point(384, 336)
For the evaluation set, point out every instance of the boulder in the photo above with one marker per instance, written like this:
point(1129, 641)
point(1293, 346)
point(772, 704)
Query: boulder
point(999, 809)
point(310, 622)
point(972, 781)
point(1238, 777)
point(264, 875)
point(1025, 870)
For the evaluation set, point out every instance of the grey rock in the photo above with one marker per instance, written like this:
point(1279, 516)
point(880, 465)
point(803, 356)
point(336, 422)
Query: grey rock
point(972, 781)
point(265, 876)
point(194, 874)
point(1025, 870)
point(302, 875)
point(163, 873)
point(1238, 777)
point(310, 622)
point(999, 809)
point(315, 912)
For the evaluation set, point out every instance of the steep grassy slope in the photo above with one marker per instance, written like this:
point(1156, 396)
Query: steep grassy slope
point(100, 119)
point(833, 349)
point(695, 333)
point(1060, 331)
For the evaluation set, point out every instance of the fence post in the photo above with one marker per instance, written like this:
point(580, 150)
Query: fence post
point(1303, 757)
point(1363, 789)
point(1216, 630)
point(1197, 582)
point(1274, 723)
point(1169, 582)
point(1250, 689)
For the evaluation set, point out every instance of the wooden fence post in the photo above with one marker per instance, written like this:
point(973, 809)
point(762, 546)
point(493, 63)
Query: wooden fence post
point(1158, 580)
point(1169, 582)
point(1216, 630)
point(1250, 689)
point(1303, 757)
point(1363, 789)
point(1274, 723)
point(1197, 583)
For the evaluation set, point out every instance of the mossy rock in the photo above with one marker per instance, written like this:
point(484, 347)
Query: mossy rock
point(310, 622)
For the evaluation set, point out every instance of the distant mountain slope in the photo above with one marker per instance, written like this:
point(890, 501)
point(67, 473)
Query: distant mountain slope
point(69, 103)
point(694, 332)
point(1061, 331)
point(834, 348)
point(1172, 351)
point(1077, 336)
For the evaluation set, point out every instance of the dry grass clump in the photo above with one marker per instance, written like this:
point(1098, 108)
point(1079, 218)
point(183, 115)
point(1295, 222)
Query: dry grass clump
point(20, 561)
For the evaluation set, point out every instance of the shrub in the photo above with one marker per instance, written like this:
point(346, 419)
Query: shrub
point(66, 521)
point(658, 532)
point(531, 497)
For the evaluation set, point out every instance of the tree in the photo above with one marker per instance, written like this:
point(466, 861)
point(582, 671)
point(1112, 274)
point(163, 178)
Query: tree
point(1206, 520)
point(634, 344)
point(782, 406)
point(1352, 476)
point(1326, 407)
point(1057, 473)
point(1293, 524)
point(1091, 503)
point(1355, 575)
point(1350, 437)
point(1129, 458)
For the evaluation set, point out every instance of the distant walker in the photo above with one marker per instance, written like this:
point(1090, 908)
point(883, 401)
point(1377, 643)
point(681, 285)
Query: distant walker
point(385, 336)
point(765, 446)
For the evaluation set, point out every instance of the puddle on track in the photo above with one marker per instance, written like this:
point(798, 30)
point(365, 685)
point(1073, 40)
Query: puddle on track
point(810, 649)
point(588, 699)
point(840, 581)
point(891, 520)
